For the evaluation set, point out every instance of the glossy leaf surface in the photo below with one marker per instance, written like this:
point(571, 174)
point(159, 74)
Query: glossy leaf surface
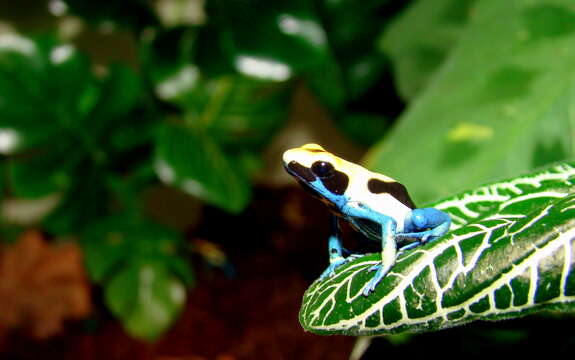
point(113, 242)
point(270, 40)
point(224, 118)
point(498, 106)
point(234, 110)
point(353, 80)
point(509, 253)
point(420, 39)
point(139, 265)
point(191, 161)
point(55, 112)
point(146, 298)
point(35, 107)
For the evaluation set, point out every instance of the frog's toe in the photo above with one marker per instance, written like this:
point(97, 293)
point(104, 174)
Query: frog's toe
point(376, 267)
point(327, 273)
point(424, 236)
point(380, 272)
point(353, 257)
point(330, 271)
point(410, 246)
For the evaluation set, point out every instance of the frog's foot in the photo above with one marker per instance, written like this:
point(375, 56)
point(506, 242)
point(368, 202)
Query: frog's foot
point(334, 264)
point(409, 246)
point(352, 257)
point(330, 271)
point(380, 271)
point(423, 236)
point(428, 235)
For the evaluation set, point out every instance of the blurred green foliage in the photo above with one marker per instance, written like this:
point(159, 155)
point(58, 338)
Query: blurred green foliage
point(487, 85)
point(494, 100)
point(204, 99)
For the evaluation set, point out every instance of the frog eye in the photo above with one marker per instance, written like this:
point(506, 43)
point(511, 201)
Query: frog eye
point(322, 169)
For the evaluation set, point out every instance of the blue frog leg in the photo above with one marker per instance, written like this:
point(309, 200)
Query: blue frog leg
point(338, 255)
point(388, 254)
point(336, 250)
point(425, 224)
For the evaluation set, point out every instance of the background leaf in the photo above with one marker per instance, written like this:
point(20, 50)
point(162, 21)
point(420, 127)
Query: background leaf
point(487, 119)
point(235, 110)
point(146, 298)
point(193, 162)
point(293, 38)
point(354, 76)
point(35, 107)
point(421, 38)
point(140, 267)
point(113, 243)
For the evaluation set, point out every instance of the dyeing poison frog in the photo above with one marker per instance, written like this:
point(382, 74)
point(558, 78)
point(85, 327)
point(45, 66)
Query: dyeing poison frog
point(374, 204)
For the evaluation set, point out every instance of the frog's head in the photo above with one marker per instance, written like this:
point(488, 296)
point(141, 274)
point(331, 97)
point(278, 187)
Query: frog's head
point(319, 172)
point(337, 182)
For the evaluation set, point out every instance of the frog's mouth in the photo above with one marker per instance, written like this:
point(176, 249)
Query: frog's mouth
point(299, 171)
point(308, 189)
point(303, 176)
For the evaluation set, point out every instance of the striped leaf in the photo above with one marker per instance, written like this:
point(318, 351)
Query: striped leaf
point(510, 252)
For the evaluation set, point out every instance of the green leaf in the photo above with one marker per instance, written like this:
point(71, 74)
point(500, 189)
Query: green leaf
point(45, 88)
point(37, 176)
point(360, 65)
point(420, 39)
point(58, 122)
point(146, 297)
point(364, 128)
point(140, 267)
point(509, 254)
point(84, 199)
point(112, 243)
point(237, 111)
point(328, 83)
point(193, 162)
point(120, 91)
point(352, 68)
point(49, 94)
point(107, 247)
point(167, 59)
point(500, 105)
point(242, 112)
point(270, 40)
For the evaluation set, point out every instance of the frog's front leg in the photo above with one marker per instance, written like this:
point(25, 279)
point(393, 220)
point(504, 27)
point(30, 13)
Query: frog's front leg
point(388, 254)
point(336, 250)
point(425, 224)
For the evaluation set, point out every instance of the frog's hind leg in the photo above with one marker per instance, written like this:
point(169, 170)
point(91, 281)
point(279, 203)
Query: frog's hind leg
point(435, 221)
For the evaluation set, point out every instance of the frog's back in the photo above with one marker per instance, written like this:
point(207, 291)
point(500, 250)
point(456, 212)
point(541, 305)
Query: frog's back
point(382, 195)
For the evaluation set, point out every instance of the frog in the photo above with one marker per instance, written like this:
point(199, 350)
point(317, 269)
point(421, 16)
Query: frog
point(374, 204)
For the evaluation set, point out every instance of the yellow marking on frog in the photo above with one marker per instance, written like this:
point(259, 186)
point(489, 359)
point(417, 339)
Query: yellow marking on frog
point(307, 154)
